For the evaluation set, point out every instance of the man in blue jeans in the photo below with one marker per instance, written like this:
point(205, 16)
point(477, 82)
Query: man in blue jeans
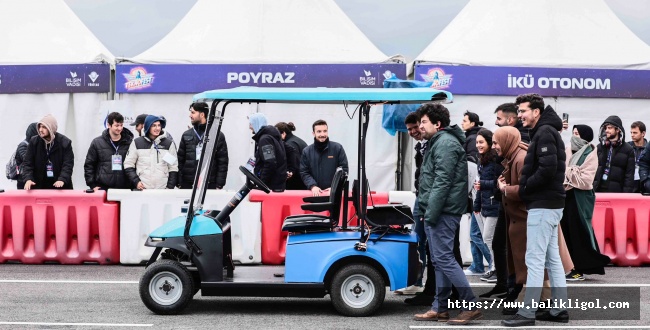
point(541, 188)
point(442, 201)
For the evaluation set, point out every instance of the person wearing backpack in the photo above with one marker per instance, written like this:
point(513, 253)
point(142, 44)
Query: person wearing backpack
point(14, 169)
point(49, 159)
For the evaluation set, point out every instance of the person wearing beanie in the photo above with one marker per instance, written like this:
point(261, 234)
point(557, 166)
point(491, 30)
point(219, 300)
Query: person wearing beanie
point(151, 162)
point(616, 162)
point(49, 160)
point(191, 147)
point(581, 166)
point(320, 160)
point(270, 155)
point(21, 151)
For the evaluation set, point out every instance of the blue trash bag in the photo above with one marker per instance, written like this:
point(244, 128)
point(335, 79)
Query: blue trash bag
point(394, 115)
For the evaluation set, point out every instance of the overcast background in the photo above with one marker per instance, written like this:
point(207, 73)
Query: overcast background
point(129, 27)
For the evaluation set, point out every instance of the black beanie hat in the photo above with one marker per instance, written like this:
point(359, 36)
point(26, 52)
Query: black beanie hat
point(586, 133)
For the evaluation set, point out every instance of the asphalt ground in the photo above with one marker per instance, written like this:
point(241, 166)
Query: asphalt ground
point(106, 297)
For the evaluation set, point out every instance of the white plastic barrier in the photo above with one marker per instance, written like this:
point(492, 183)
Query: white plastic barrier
point(408, 198)
point(141, 212)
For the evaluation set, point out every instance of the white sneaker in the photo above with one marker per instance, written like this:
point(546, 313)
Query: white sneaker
point(468, 272)
point(411, 290)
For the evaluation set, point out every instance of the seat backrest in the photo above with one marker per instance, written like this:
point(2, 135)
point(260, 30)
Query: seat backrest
point(356, 197)
point(336, 194)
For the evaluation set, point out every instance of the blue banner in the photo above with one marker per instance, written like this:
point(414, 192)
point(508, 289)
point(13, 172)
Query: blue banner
point(196, 78)
point(483, 80)
point(55, 78)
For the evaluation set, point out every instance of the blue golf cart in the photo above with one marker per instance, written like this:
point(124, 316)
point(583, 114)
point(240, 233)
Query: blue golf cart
point(354, 265)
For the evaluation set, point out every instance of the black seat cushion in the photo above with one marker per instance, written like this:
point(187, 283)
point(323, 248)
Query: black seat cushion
point(307, 222)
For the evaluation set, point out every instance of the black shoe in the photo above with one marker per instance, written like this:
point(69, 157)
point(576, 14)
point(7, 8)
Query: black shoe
point(496, 292)
point(518, 321)
point(563, 317)
point(575, 276)
point(420, 300)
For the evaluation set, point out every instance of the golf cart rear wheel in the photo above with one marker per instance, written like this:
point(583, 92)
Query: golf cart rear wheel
point(166, 287)
point(357, 290)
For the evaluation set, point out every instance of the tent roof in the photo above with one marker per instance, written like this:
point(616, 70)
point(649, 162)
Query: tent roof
point(264, 31)
point(46, 32)
point(538, 33)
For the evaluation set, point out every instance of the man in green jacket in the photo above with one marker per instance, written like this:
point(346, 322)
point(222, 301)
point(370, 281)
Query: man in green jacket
point(442, 201)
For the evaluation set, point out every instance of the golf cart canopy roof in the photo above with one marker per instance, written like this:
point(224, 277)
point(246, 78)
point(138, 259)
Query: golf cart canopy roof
point(326, 95)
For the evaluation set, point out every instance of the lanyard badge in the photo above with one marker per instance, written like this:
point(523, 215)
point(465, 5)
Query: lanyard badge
point(50, 169)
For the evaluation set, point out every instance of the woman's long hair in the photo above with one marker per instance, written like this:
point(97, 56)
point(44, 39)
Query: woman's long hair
point(491, 154)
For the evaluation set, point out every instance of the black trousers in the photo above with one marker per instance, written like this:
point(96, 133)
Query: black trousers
point(499, 247)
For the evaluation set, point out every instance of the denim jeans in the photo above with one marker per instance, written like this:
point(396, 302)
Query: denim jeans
point(477, 247)
point(487, 225)
point(422, 241)
point(448, 271)
point(542, 251)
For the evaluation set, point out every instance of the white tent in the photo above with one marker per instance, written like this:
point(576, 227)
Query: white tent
point(538, 33)
point(55, 35)
point(542, 34)
point(269, 32)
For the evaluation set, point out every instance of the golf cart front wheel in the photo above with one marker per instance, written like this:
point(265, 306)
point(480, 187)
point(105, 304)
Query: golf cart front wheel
point(166, 287)
point(357, 290)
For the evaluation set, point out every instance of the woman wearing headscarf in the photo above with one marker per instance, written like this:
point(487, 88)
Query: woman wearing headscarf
point(582, 164)
point(507, 143)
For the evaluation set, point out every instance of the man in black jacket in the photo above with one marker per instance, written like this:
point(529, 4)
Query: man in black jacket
point(541, 188)
point(191, 146)
point(320, 160)
point(49, 160)
point(638, 143)
point(270, 155)
point(104, 166)
point(616, 161)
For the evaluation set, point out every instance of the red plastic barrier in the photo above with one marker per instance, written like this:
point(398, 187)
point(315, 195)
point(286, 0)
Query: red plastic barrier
point(620, 224)
point(67, 227)
point(276, 207)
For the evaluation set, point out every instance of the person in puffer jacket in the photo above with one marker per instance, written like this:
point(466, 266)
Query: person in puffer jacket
point(616, 160)
point(21, 151)
point(151, 162)
point(103, 168)
point(270, 155)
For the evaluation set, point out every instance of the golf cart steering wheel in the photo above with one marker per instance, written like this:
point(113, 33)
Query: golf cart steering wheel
point(257, 183)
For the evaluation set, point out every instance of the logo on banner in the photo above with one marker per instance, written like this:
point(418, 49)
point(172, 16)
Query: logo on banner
point(388, 74)
point(261, 77)
point(73, 81)
point(138, 78)
point(93, 76)
point(367, 80)
point(437, 78)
